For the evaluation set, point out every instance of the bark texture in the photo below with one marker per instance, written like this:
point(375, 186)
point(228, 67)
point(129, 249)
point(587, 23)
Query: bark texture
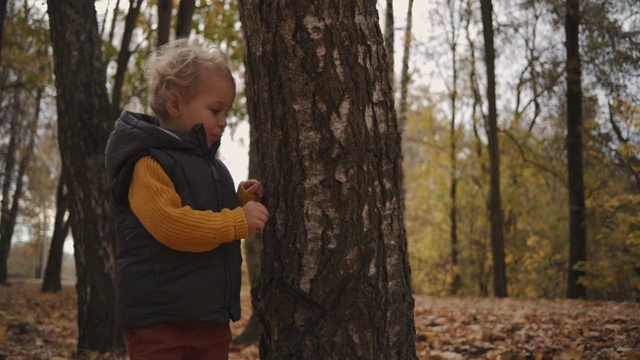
point(185, 13)
point(164, 21)
point(404, 76)
point(577, 210)
point(52, 282)
point(335, 278)
point(84, 123)
point(495, 205)
point(389, 40)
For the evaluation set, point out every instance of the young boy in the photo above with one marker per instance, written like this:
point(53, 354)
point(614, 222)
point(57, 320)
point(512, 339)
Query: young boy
point(177, 212)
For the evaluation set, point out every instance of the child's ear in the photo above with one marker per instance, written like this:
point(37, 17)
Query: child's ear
point(172, 103)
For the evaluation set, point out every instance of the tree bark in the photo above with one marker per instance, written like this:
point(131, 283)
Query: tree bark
point(185, 13)
point(165, 8)
point(84, 124)
point(52, 282)
point(389, 41)
point(456, 282)
point(337, 281)
point(5, 212)
point(18, 148)
point(404, 77)
point(3, 13)
point(495, 206)
point(577, 210)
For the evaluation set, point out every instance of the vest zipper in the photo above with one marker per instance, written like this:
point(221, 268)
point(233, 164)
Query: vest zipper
point(227, 266)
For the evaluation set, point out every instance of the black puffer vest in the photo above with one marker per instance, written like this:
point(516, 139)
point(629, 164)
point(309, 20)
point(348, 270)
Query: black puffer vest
point(156, 283)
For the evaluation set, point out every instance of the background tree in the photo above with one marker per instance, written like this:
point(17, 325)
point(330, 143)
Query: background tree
point(389, 36)
point(25, 72)
point(61, 225)
point(330, 146)
point(85, 120)
point(495, 206)
point(165, 8)
point(3, 12)
point(577, 209)
point(185, 13)
point(404, 74)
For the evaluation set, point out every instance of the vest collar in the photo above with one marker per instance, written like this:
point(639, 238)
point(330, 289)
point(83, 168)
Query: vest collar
point(197, 137)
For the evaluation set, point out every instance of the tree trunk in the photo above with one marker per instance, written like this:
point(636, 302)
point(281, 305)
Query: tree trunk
point(10, 213)
point(5, 213)
point(51, 282)
point(456, 282)
point(185, 13)
point(3, 13)
point(404, 77)
point(125, 54)
point(337, 284)
point(577, 211)
point(252, 251)
point(165, 8)
point(84, 123)
point(495, 206)
point(389, 41)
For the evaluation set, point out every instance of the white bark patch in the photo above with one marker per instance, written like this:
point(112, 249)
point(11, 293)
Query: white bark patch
point(314, 26)
point(372, 267)
point(310, 140)
point(377, 93)
point(368, 117)
point(338, 63)
point(365, 218)
point(361, 54)
point(321, 51)
point(382, 121)
point(339, 121)
point(321, 106)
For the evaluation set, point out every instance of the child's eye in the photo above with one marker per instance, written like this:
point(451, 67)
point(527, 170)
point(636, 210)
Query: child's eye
point(215, 112)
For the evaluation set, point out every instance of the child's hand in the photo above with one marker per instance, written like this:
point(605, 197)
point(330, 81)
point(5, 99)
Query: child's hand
point(256, 215)
point(253, 187)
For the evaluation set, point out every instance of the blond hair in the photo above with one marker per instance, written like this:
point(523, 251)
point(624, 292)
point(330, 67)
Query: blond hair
point(176, 67)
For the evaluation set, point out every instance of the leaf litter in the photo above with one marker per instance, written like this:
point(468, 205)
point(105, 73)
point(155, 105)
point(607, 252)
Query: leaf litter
point(35, 325)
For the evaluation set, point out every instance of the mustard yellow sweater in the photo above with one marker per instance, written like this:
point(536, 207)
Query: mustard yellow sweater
point(157, 205)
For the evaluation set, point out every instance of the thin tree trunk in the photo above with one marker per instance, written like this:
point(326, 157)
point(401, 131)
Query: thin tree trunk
point(337, 283)
point(165, 8)
point(404, 77)
point(114, 21)
point(84, 124)
point(10, 213)
point(185, 13)
point(577, 210)
point(389, 41)
point(125, 54)
point(5, 213)
point(495, 206)
point(3, 13)
point(456, 282)
point(479, 243)
point(52, 282)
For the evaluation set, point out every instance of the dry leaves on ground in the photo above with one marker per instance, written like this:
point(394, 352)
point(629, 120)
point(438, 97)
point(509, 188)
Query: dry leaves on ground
point(36, 326)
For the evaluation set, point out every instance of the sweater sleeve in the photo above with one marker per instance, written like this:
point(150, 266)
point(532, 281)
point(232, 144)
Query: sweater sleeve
point(157, 205)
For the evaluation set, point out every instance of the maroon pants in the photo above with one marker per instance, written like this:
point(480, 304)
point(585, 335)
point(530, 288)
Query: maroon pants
point(173, 341)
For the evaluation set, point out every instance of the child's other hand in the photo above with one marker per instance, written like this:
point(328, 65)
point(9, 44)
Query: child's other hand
point(253, 187)
point(256, 215)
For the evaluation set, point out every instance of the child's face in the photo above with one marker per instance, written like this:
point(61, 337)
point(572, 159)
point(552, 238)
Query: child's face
point(208, 104)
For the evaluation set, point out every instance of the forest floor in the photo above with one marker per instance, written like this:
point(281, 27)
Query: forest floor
point(37, 326)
